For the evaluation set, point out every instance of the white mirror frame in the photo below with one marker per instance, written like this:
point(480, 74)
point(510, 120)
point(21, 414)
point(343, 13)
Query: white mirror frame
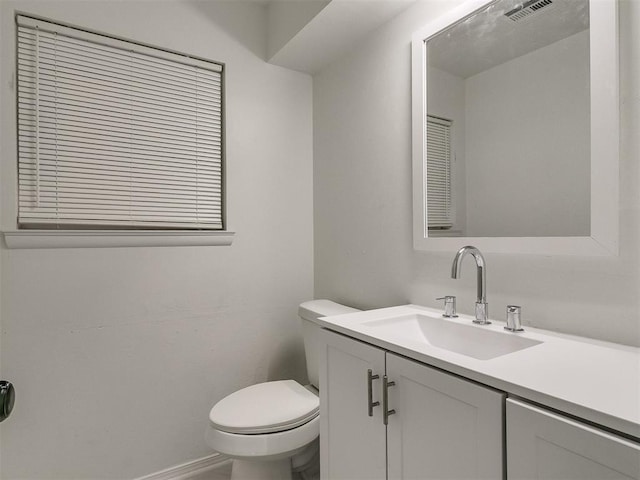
point(605, 149)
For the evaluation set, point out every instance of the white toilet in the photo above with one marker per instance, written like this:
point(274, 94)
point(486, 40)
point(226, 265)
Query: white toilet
point(271, 429)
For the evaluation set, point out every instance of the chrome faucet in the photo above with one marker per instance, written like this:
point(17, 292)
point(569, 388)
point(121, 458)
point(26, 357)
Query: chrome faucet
point(482, 308)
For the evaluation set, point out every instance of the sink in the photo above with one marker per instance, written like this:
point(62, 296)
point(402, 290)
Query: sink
point(473, 341)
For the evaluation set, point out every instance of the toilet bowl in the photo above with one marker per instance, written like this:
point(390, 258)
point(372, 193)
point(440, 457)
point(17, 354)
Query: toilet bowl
point(271, 429)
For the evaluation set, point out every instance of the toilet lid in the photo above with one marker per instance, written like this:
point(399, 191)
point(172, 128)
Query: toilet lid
point(265, 408)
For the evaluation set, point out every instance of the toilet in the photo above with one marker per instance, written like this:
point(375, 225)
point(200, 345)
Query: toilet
point(271, 429)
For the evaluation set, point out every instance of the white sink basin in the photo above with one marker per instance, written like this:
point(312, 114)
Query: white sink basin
point(470, 340)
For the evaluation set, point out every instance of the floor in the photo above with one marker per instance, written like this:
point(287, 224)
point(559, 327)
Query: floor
point(223, 472)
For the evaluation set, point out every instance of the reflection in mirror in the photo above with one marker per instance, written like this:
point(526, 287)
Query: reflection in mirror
point(508, 122)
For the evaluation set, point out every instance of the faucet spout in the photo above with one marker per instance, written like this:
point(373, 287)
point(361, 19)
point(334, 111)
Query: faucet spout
point(456, 268)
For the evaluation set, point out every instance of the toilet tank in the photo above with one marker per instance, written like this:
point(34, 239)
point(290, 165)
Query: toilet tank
point(309, 312)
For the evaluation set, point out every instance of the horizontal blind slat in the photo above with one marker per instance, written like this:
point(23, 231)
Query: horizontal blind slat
point(137, 118)
point(126, 103)
point(67, 191)
point(54, 196)
point(54, 59)
point(27, 157)
point(98, 218)
point(133, 142)
point(125, 213)
point(141, 189)
point(71, 125)
point(79, 144)
point(124, 115)
point(27, 26)
point(119, 131)
point(133, 208)
point(196, 225)
point(131, 182)
point(121, 164)
point(93, 54)
point(27, 148)
point(158, 178)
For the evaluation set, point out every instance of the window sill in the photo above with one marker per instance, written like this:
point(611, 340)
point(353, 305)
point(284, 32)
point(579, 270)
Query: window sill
point(445, 233)
point(111, 239)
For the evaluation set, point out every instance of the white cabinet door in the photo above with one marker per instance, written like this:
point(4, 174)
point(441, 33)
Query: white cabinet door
point(444, 427)
point(543, 445)
point(352, 443)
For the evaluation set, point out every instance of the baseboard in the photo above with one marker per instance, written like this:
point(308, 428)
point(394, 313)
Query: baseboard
point(189, 470)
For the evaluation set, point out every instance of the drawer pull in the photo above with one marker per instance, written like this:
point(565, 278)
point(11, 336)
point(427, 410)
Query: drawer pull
point(370, 403)
point(385, 399)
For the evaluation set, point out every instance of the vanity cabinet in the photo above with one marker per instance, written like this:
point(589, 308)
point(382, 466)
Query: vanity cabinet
point(542, 445)
point(440, 426)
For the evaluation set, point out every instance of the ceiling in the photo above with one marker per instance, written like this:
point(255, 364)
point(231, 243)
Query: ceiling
point(490, 38)
point(327, 31)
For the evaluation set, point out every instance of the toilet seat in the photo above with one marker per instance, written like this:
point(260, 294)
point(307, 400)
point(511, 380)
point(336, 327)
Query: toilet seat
point(269, 446)
point(265, 408)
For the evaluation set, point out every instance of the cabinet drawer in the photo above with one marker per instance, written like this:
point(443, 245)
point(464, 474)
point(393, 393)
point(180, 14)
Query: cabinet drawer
point(547, 446)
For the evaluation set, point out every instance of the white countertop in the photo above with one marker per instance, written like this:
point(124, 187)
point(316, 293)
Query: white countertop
point(594, 380)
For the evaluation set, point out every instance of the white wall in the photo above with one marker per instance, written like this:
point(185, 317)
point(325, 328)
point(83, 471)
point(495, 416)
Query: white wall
point(118, 354)
point(362, 201)
point(522, 155)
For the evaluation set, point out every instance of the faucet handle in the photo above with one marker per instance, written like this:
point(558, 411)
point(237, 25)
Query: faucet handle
point(449, 306)
point(513, 319)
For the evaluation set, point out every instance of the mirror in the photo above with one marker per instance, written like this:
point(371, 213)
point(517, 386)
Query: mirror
point(513, 87)
point(509, 136)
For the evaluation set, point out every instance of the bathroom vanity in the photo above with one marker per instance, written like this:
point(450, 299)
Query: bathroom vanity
point(406, 393)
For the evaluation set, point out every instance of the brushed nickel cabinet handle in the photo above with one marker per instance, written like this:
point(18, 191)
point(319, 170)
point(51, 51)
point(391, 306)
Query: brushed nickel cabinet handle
point(370, 403)
point(385, 399)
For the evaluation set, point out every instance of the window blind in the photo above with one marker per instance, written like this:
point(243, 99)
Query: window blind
point(438, 172)
point(113, 134)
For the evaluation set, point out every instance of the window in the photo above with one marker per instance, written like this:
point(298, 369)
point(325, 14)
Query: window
point(439, 173)
point(116, 135)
